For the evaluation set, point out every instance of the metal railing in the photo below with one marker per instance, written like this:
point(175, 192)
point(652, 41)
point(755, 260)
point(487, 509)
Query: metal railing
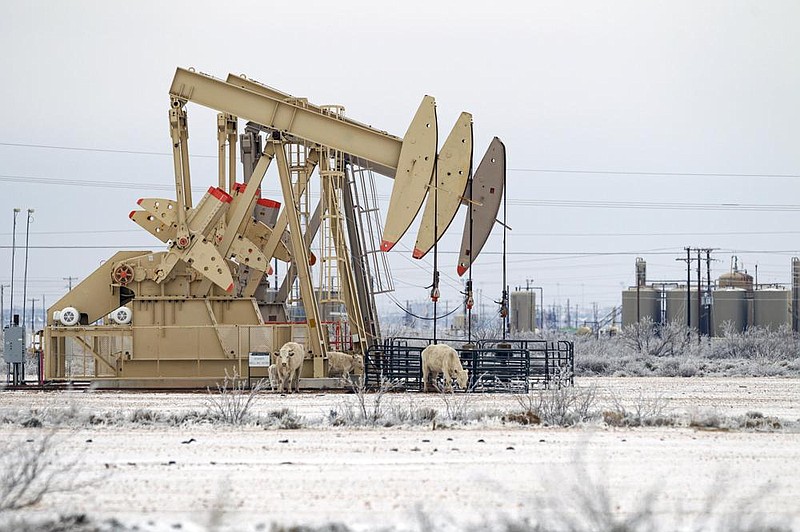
point(493, 365)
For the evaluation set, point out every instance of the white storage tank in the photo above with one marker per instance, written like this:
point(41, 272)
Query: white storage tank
point(772, 308)
point(730, 306)
point(641, 304)
point(676, 306)
point(523, 311)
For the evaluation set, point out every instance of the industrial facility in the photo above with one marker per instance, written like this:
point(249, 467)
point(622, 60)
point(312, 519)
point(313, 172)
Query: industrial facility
point(733, 302)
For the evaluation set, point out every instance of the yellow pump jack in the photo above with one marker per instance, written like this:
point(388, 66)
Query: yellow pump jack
point(185, 316)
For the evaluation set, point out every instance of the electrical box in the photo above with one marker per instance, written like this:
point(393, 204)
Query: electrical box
point(14, 345)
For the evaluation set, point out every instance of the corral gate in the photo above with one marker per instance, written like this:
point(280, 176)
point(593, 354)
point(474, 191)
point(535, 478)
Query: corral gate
point(493, 365)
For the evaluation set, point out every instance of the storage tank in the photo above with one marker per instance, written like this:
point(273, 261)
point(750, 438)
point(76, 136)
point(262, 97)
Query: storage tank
point(523, 311)
point(676, 306)
point(772, 308)
point(644, 303)
point(730, 305)
point(736, 279)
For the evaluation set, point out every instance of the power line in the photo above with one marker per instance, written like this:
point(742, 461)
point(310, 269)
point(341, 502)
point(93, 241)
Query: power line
point(102, 150)
point(533, 170)
point(601, 235)
point(554, 254)
point(519, 202)
point(91, 232)
point(666, 174)
point(87, 183)
point(658, 205)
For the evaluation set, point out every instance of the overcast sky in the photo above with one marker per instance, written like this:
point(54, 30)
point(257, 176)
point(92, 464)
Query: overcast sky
point(601, 105)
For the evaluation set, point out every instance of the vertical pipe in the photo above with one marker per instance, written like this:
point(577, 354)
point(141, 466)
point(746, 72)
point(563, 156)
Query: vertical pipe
point(700, 317)
point(504, 305)
point(25, 275)
point(470, 299)
point(689, 288)
point(221, 129)
point(232, 135)
point(795, 293)
point(435, 284)
point(13, 255)
point(709, 325)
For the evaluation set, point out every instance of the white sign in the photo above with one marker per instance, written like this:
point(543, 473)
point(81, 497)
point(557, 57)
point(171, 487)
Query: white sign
point(259, 360)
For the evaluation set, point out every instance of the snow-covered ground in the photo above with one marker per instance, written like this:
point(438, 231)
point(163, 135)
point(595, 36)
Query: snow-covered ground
point(198, 475)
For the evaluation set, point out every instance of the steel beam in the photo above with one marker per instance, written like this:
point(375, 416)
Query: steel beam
point(347, 136)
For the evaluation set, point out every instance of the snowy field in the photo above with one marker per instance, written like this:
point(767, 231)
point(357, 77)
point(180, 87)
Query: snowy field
point(478, 473)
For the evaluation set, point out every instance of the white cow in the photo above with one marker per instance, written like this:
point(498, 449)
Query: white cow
point(442, 359)
point(344, 364)
point(290, 363)
point(273, 376)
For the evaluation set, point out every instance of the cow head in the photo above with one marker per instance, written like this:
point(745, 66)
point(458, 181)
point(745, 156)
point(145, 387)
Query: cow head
point(285, 356)
point(462, 377)
point(358, 363)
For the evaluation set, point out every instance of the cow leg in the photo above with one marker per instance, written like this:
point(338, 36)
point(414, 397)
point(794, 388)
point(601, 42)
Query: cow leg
point(448, 381)
point(448, 384)
point(425, 376)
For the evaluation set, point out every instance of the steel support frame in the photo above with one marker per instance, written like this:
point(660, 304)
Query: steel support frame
point(280, 226)
point(316, 340)
point(332, 189)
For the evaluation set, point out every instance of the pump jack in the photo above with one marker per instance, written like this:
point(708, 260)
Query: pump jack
point(184, 316)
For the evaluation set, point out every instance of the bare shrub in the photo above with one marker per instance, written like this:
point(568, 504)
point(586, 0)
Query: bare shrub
point(706, 419)
point(285, 419)
point(558, 404)
point(31, 472)
point(673, 350)
point(756, 343)
point(409, 412)
point(654, 340)
point(580, 500)
point(368, 408)
point(233, 399)
point(644, 410)
point(456, 406)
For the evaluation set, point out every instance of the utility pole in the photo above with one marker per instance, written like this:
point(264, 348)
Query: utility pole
point(25, 276)
point(69, 280)
point(2, 305)
point(708, 291)
point(701, 328)
point(33, 316)
point(688, 261)
point(13, 256)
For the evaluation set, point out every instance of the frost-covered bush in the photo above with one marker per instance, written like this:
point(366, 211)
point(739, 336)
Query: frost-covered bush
point(673, 350)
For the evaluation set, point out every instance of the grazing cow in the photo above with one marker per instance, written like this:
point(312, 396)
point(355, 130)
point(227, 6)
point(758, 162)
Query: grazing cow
point(290, 362)
point(273, 376)
point(441, 358)
point(344, 364)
